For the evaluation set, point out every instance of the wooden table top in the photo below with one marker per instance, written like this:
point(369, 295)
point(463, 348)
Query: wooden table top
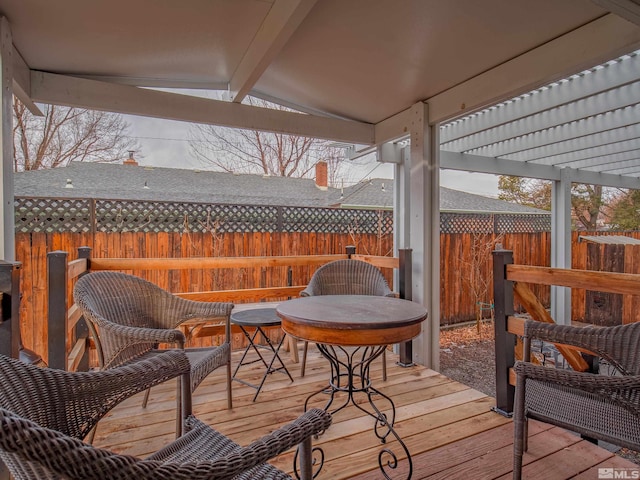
point(352, 320)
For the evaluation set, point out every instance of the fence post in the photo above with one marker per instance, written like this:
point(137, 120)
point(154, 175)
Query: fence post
point(504, 341)
point(405, 291)
point(81, 330)
point(10, 308)
point(57, 308)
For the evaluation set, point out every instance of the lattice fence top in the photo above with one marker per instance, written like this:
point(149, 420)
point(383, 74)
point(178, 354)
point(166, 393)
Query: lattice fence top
point(451, 222)
point(88, 215)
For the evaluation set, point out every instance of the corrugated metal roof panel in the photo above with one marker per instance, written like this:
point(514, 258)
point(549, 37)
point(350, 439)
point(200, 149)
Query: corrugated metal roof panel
point(610, 239)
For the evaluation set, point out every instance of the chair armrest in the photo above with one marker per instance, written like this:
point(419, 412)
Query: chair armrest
point(144, 334)
point(554, 333)
point(307, 292)
point(615, 344)
point(179, 310)
point(310, 423)
point(621, 388)
point(313, 422)
point(86, 396)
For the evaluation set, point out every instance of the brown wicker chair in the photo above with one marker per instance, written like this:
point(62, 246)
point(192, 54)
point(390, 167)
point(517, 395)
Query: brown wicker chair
point(128, 318)
point(44, 413)
point(598, 406)
point(347, 277)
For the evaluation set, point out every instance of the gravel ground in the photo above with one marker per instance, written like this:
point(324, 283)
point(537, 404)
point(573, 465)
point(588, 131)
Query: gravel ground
point(467, 356)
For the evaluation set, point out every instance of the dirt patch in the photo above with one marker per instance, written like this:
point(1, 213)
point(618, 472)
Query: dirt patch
point(468, 356)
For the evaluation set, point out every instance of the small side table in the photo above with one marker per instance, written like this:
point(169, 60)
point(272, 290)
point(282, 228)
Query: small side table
point(258, 319)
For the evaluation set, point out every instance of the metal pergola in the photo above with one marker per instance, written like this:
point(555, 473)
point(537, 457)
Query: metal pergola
point(582, 129)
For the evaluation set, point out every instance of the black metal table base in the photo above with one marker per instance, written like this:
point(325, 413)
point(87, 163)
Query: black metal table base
point(350, 374)
point(275, 349)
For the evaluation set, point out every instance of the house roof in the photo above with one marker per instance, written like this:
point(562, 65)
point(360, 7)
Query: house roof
point(379, 192)
point(127, 182)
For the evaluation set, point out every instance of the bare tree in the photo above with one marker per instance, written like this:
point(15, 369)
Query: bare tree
point(253, 151)
point(475, 275)
point(67, 134)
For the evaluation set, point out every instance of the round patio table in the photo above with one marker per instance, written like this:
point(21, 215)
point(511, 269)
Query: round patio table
point(351, 331)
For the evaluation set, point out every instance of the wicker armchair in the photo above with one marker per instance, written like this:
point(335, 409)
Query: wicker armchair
point(44, 413)
point(129, 316)
point(603, 407)
point(347, 277)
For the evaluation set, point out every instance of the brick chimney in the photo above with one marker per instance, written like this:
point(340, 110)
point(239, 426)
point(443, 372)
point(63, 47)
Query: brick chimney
point(130, 160)
point(322, 175)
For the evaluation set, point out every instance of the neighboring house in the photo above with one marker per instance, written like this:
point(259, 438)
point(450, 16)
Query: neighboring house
point(133, 182)
point(378, 193)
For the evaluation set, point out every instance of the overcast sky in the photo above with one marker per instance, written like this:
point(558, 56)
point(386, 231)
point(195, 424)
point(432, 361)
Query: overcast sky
point(164, 144)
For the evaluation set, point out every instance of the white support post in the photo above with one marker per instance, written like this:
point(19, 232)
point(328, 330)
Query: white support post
point(401, 201)
point(7, 242)
point(423, 226)
point(561, 244)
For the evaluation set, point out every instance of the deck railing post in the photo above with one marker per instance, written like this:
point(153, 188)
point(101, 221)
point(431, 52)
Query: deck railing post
point(350, 250)
point(10, 308)
point(57, 308)
point(504, 341)
point(81, 330)
point(405, 291)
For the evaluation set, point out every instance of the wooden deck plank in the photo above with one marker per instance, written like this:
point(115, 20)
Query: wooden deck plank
point(448, 427)
point(499, 461)
point(568, 462)
point(442, 459)
point(615, 462)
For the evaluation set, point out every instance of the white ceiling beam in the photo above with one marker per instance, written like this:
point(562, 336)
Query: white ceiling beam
point(80, 92)
point(627, 9)
point(619, 119)
point(158, 82)
point(612, 75)
point(587, 46)
point(498, 166)
point(22, 83)
point(281, 22)
point(587, 107)
point(395, 127)
point(294, 106)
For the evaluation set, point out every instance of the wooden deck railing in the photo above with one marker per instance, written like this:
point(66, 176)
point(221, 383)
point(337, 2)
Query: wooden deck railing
point(510, 283)
point(69, 342)
point(10, 308)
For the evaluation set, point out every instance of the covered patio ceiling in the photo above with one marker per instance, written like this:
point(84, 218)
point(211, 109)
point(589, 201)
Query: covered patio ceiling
point(356, 66)
point(364, 72)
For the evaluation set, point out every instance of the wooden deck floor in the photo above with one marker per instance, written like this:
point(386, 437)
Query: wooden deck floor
point(448, 427)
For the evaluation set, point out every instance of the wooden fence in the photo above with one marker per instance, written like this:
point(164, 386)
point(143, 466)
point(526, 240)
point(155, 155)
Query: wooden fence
point(31, 250)
point(457, 302)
